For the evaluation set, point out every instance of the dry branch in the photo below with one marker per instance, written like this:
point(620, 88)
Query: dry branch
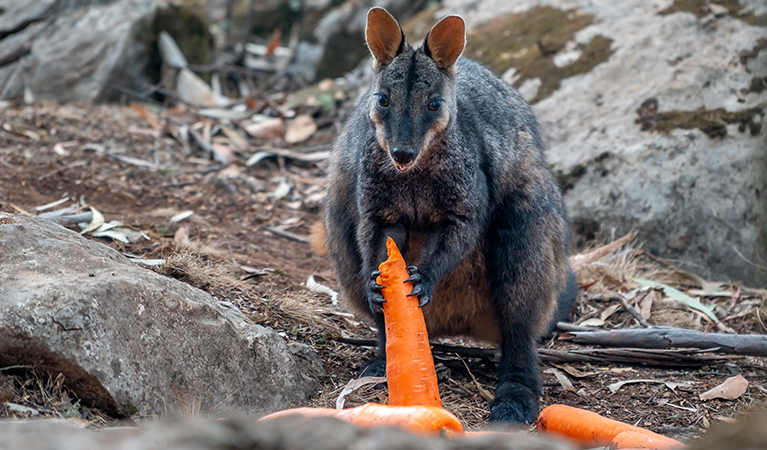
point(680, 358)
point(667, 337)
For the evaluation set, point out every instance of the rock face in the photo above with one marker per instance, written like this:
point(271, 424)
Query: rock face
point(287, 433)
point(668, 134)
point(129, 340)
point(83, 50)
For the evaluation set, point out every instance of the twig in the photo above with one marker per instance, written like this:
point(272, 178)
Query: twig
point(288, 235)
point(667, 337)
point(679, 358)
point(746, 259)
point(642, 321)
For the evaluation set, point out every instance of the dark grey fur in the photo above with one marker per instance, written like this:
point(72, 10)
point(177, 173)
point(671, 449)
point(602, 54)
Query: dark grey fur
point(479, 212)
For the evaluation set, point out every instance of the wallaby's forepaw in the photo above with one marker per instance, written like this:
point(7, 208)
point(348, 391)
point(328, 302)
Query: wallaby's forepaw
point(514, 403)
point(375, 297)
point(421, 288)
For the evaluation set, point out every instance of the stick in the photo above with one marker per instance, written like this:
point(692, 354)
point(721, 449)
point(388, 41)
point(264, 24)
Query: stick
point(667, 337)
point(288, 235)
point(633, 311)
point(676, 358)
point(634, 356)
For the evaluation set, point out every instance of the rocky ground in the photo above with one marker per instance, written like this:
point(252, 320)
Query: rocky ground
point(49, 152)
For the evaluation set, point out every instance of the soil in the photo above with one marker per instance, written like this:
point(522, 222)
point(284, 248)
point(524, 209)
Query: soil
point(233, 207)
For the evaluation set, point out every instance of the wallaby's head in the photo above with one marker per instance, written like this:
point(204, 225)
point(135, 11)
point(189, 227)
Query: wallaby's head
point(413, 97)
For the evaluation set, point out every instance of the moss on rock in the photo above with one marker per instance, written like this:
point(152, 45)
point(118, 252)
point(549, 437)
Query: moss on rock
point(700, 8)
point(528, 42)
point(713, 122)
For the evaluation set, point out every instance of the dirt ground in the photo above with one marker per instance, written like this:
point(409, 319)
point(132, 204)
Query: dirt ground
point(225, 248)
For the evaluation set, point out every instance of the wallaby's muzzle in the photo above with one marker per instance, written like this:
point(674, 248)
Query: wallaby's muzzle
point(401, 156)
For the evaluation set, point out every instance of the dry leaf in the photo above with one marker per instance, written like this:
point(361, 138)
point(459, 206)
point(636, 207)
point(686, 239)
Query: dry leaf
point(353, 385)
point(575, 372)
point(563, 380)
point(268, 128)
point(593, 322)
point(96, 222)
point(314, 286)
point(577, 262)
point(222, 153)
point(300, 129)
point(731, 389)
point(645, 304)
point(274, 42)
point(146, 115)
point(181, 216)
point(609, 311)
point(181, 238)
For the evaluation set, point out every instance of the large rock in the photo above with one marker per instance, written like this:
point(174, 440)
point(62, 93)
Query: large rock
point(288, 433)
point(666, 134)
point(129, 340)
point(85, 50)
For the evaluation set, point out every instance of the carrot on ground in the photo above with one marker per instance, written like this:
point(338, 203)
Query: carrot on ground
point(410, 371)
point(644, 439)
point(426, 420)
point(587, 428)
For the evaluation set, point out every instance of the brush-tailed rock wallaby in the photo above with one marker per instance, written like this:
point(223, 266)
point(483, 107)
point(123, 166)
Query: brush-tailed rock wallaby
point(448, 160)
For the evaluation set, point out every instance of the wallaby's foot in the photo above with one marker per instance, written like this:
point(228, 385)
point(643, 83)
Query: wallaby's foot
point(420, 286)
point(514, 403)
point(375, 367)
point(375, 297)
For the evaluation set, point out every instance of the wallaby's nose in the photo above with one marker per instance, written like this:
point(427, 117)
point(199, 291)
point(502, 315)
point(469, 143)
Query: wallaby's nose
point(402, 156)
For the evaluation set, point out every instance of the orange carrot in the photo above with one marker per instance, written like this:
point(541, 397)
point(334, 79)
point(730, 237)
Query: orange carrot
point(410, 370)
point(644, 439)
point(426, 420)
point(585, 427)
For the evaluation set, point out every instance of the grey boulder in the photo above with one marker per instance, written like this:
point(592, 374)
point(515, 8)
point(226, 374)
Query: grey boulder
point(132, 341)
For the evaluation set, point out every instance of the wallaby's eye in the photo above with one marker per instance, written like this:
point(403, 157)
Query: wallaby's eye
point(435, 105)
point(383, 101)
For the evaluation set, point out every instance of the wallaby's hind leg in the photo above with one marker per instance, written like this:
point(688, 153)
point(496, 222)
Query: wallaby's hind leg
point(519, 386)
point(526, 270)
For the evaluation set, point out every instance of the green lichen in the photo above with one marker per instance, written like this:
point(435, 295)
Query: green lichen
point(528, 43)
point(713, 122)
point(700, 8)
point(129, 410)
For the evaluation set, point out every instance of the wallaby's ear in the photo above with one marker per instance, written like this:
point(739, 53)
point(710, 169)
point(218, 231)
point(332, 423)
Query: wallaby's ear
point(445, 41)
point(383, 35)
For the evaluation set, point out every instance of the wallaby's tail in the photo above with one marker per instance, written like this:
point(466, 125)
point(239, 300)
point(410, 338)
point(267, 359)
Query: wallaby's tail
point(565, 302)
point(319, 241)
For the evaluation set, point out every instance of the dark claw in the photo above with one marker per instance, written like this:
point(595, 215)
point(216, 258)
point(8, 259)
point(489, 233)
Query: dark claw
point(375, 274)
point(375, 297)
point(416, 291)
point(424, 300)
point(412, 269)
point(414, 278)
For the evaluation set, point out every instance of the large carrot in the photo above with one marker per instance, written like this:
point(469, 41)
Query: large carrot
point(587, 428)
point(427, 420)
point(410, 370)
point(644, 439)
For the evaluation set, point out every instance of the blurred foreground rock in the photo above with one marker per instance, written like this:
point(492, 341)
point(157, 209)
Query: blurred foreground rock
point(131, 341)
point(654, 113)
point(288, 433)
point(319, 433)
